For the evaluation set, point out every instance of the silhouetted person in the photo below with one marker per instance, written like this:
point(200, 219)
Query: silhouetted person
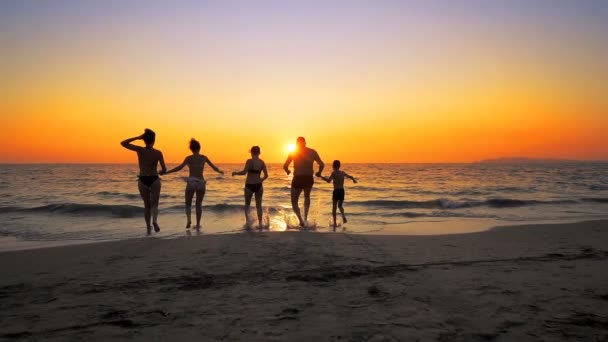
point(149, 183)
point(196, 182)
point(253, 184)
point(303, 159)
point(337, 176)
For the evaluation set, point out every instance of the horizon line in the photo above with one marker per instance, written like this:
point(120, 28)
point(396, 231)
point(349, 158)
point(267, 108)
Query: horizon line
point(482, 161)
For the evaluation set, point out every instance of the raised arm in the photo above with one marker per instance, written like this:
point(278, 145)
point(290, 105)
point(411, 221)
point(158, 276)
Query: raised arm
point(244, 171)
point(286, 165)
point(213, 166)
point(127, 143)
point(163, 167)
point(321, 164)
point(177, 168)
point(351, 177)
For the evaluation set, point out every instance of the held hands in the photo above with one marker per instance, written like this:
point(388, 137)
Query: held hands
point(161, 172)
point(318, 174)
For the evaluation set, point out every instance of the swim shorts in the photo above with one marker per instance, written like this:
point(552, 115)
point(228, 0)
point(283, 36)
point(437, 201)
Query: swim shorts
point(302, 182)
point(338, 195)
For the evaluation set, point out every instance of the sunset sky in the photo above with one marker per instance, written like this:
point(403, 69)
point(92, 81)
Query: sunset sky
point(363, 81)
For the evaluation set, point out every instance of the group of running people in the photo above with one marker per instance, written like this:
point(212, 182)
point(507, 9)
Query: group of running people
point(303, 158)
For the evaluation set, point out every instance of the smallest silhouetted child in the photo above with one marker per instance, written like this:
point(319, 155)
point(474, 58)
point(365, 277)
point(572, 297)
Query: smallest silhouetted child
point(338, 197)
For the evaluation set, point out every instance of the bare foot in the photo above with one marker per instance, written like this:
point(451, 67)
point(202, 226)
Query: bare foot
point(149, 230)
point(344, 219)
point(188, 225)
point(198, 226)
point(156, 227)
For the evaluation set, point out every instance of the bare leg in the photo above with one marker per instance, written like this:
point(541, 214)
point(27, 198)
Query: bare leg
point(188, 195)
point(155, 197)
point(341, 211)
point(306, 202)
point(258, 206)
point(200, 194)
point(333, 212)
point(144, 191)
point(295, 196)
point(248, 195)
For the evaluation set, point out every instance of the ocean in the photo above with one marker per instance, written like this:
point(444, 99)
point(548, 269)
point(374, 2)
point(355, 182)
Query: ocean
point(51, 204)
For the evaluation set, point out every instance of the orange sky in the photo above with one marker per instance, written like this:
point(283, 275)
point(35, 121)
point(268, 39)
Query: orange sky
point(370, 83)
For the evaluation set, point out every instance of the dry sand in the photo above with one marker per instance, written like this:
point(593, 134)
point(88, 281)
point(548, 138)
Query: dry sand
point(529, 283)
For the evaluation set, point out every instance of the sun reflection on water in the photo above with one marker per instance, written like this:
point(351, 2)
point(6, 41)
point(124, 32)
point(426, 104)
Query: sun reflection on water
point(278, 224)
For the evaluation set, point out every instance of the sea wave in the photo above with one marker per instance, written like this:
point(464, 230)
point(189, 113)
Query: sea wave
point(596, 200)
point(132, 196)
point(445, 203)
point(439, 214)
point(120, 211)
point(225, 207)
point(487, 191)
point(221, 207)
point(113, 194)
point(9, 209)
point(371, 188)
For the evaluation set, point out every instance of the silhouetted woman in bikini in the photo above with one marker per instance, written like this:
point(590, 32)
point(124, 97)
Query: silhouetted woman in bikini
point(253, 184)
point(196, 182)
point(148, 183)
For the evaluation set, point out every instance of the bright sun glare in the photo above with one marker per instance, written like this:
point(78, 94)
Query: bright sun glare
point(291, 147)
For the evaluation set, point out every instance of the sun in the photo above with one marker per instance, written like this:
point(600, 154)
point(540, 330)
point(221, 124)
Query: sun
point(291, 147)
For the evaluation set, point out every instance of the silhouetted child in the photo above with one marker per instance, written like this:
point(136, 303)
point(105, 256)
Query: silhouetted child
point(338, 196)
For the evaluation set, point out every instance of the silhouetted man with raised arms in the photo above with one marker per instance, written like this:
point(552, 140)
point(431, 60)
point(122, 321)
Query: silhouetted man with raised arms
point(303, 159)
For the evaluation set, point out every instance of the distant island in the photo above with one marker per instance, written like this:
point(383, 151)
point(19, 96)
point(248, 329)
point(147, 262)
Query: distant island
point(521, 160)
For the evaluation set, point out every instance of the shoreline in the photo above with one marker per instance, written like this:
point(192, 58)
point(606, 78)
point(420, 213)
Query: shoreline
point(12, 244)
point(530, 282)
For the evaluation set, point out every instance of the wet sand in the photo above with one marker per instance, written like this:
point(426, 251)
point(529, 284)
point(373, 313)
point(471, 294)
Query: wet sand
point(532, 283)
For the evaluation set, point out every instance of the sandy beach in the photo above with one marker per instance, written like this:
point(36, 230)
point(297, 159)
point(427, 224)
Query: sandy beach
point(531, 283)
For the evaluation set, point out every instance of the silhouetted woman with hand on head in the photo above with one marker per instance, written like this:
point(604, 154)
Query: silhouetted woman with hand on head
point(253, 184)
point(196, 182)
point(149, 183)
